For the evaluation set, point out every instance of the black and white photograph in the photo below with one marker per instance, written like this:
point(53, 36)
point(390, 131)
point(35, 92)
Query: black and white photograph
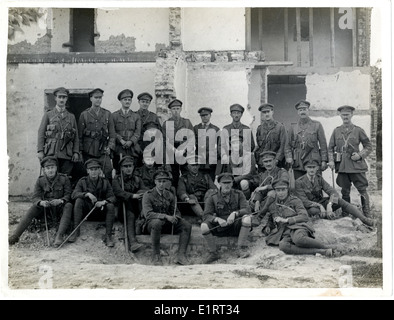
point(188, 148)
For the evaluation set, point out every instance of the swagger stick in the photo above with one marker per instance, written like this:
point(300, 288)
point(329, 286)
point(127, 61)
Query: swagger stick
point(46, 225)
point(126, 241)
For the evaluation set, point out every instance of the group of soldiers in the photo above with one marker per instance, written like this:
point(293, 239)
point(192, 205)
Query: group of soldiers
point(250, 184)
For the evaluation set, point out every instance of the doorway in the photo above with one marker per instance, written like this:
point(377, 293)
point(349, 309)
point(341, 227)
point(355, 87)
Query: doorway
point(283, 92)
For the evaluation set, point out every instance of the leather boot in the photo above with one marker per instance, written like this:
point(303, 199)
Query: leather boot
point(32, 213)
point(247, 193)
point(365, 204)
point(64, 224)
point(109, 222)
point(134, 246)
point(242, 251)
point(212, 248)
point(184, 239)
point(351, 209)
point(197, 210)
point(268, 201)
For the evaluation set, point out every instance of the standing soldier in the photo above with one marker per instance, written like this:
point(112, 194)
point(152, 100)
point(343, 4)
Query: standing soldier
point(309, 189)
point(162, 216)
point(149, 120)
point(52, 193)
point(131, 196)
point(94, 191)
point(271, 135)
point(236, 112)
point(306, 141)
point(58, 134)
point(226, 213)
point(209, 145)
point(170, 129)
point(347, 159)
point(127, 124)
point(97, 133)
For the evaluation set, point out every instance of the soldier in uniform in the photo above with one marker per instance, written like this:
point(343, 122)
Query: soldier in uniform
point(149, 120)
point(210, 144)
point(94, 191)
point(236, 112)
point(264, 194)
point(170, 129)
point(271, 135)
point(294, 232)
point(162, 216)
point(194, 185)
point(306, 141)
point(310, 187)
point(58, 134)
point(127, 124)
point(226, 213)
point(97, 133)
point(130, 192)
point(52, 194)
point(347, 158)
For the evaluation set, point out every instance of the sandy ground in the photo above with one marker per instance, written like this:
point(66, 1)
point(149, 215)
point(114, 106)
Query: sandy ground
point(89, 264)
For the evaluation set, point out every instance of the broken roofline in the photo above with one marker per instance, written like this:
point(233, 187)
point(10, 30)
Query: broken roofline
point(177, 154)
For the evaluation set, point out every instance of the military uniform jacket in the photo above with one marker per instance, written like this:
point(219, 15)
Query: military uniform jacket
point(58, 134)
point(96, 132)
point(156, 205)
point(240, 127)
point(149, 120)
point(58, 188)
point(194, 184)
point(311, 193)
point(306, 141)
point(293, 209)
point(127, 127)
point(265, 179)
point(246, 170)
point(207, 143)
point(271, 136)
point(132, 184)
point(216, 206)
point(346, 141)
point(101, 189)
point(169, 133)
point(146, 174)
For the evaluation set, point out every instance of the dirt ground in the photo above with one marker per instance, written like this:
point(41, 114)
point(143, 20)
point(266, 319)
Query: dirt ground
point(89, 264)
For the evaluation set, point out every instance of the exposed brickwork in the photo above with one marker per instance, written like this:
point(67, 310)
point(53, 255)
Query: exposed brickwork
point(175, 28)
point(116, 44)
point(42, 45)
point(363, 36)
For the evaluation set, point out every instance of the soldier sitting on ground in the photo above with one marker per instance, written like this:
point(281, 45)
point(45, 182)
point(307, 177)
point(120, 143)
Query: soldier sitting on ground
point(294, 232)
point(162, 216)
point(52, 194)
point(129, 192)
point(194, 185)
point(226, 213)
point(94, 192)
point(310, 187)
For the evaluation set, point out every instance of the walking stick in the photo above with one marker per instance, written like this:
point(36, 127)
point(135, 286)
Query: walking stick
point(126, 239)
point(76, 228)
point(239, 218)
point(176, 203)
point(46, 225)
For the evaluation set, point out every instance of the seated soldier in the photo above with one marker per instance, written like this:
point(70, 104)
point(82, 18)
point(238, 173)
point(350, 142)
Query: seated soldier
point(52, 193)
point(294, 232)
point(162, 216)
point(310, 187)
point(129, 189)
point(94, 193)
point(226, 213)
point(193, 185)
point(242, 165)
point(264, 194)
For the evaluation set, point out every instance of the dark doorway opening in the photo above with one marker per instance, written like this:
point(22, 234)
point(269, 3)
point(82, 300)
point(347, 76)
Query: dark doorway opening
point(283, 92)
point(82, 30)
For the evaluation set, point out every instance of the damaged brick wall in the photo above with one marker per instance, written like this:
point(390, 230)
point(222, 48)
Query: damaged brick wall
point(363, 36)
point(116, 44)
point(41, 46)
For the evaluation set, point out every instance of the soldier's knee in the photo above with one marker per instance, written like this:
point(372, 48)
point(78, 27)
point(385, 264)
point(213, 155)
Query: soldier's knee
point(314, 211)
point(156, 224)
point(244, 184)
point(246, 221)
point(79, 203)
point(284, 246)
point(204, 228)
point(68, 206)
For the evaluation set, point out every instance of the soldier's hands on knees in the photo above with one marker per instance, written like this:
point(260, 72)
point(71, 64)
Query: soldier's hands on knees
point(331, 164)
point(280, 219)
point(323, 165)
point(91, 197)
point(231, 218)
point(45, 203)
point(172, 219)
point(56, 202)
point(137, 195)
point(75, 157)
point(222, 222)
point(191, 201)
point(40, 155)
point(100, 204)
